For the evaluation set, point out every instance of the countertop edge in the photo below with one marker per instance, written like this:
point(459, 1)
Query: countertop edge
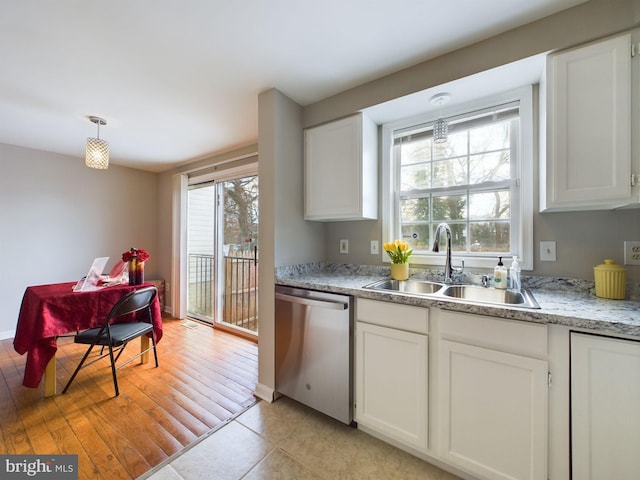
point(573, 310)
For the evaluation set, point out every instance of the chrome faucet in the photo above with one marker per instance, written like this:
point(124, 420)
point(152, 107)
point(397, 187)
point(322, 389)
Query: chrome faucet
point(448, 268)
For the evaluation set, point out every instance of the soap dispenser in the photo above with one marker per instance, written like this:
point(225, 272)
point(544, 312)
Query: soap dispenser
point(514, 273)
point(500, 275)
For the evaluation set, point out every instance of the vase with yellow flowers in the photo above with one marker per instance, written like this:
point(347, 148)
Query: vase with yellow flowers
point(399, 252)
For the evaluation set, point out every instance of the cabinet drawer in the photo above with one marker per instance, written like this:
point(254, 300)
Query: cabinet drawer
point(512, 336)
point(393, 315)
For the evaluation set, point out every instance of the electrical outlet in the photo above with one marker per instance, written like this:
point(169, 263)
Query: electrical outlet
point(632, 252)
point(375, 249)
point(344, 246)
point(547, 251)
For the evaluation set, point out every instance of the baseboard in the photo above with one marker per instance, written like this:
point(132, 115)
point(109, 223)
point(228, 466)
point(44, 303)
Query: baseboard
point(264, 392)
point(7, 334)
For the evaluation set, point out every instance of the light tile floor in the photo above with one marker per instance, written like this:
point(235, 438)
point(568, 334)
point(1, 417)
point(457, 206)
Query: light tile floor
point(286, 440)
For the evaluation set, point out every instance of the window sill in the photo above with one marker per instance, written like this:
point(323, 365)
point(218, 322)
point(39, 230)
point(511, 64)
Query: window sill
point(438, 261)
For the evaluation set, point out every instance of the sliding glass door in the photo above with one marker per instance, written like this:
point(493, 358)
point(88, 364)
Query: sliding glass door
point(222, 252)
point(239, 212)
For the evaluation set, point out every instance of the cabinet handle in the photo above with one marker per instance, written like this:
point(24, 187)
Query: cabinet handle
point(312, 302)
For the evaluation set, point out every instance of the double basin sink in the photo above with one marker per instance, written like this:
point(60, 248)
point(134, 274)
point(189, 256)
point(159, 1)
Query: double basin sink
point(466, 293)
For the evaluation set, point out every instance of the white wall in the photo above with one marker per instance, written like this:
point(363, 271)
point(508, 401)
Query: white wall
point(56, 215)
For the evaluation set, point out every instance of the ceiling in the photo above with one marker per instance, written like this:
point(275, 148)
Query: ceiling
point(178, 80)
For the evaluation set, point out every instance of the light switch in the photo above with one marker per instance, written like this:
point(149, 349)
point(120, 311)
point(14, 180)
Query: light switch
point(375, 247)
point(547, 251)
point(344, 246)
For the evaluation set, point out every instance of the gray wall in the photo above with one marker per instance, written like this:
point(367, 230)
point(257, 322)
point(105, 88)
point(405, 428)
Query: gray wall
point(57, 215)
point(577, 252)
point(285, 238)
point(588, 21)
point(583, 239)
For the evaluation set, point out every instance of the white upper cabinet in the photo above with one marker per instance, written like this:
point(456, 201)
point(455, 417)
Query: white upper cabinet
point(341, 170)
point(588, 163)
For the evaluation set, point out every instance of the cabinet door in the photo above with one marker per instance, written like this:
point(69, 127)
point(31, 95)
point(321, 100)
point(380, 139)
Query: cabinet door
point(605, 407)
point(391, 383)
point(493, 412)
point(341, 170)
point(588, 163)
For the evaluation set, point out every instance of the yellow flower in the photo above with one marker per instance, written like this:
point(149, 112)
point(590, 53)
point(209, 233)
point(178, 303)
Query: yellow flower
point(398, 250)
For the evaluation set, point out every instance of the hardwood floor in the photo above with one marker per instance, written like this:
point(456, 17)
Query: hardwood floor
point(205, 377)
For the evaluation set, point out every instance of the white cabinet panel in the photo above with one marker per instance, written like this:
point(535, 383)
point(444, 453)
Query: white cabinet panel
point(341, 170)
point(605, 407)
point(588, 161)
point(493, 412)
point(391, 383)
point(393, 315)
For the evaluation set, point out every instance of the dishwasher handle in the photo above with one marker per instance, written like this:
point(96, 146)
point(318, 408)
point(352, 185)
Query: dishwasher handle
point(313, 302)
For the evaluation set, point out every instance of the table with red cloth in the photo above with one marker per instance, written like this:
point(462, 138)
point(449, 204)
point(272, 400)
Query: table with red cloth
point(48, 311)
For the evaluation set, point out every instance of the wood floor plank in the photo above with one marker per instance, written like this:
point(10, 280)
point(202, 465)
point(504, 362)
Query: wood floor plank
point(205, 376)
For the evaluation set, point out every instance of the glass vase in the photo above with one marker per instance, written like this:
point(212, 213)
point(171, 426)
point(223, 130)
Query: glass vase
point(136, 272)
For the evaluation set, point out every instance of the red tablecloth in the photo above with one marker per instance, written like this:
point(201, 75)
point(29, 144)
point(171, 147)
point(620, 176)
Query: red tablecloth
point(51, 310)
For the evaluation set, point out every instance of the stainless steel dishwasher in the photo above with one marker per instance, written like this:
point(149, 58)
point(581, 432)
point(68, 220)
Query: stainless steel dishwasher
point(314, 350)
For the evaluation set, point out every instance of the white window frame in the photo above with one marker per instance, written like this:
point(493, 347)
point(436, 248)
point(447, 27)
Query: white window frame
point(522, 213)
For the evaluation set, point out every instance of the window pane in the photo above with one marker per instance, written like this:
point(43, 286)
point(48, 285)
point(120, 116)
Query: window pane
point(414, 210)
point(416, 151)
point(490, 237)
point(458, 237)
point(417, 236)
point(489, 137)
point(489, 167)
point(449, 173)
point(467, 181)
point(455, 146)
point(415, 177)
point(489, 205)
point(451, 207)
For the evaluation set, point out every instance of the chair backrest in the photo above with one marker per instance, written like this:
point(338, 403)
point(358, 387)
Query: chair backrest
point(133, 302)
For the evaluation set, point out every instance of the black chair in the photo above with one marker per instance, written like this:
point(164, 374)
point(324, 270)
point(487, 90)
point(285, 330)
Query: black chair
point(116, 336)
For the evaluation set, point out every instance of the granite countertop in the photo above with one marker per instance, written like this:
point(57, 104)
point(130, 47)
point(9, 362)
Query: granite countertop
point(567, 302)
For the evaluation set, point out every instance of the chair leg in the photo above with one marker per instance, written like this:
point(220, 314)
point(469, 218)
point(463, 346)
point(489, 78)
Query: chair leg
point(73, 376)
point(155, 354)
point(113, 370)
point(120, 350)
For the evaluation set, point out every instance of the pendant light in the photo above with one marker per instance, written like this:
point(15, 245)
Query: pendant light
point(441, 126)
point(97, 151)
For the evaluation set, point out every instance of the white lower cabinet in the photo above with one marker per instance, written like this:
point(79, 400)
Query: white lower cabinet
point(482, 381)
point(492, 396)
point(493, 412)
point(605, 407)
point(391, 371)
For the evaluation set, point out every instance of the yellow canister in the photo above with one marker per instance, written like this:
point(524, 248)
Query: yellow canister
point(611, 280)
